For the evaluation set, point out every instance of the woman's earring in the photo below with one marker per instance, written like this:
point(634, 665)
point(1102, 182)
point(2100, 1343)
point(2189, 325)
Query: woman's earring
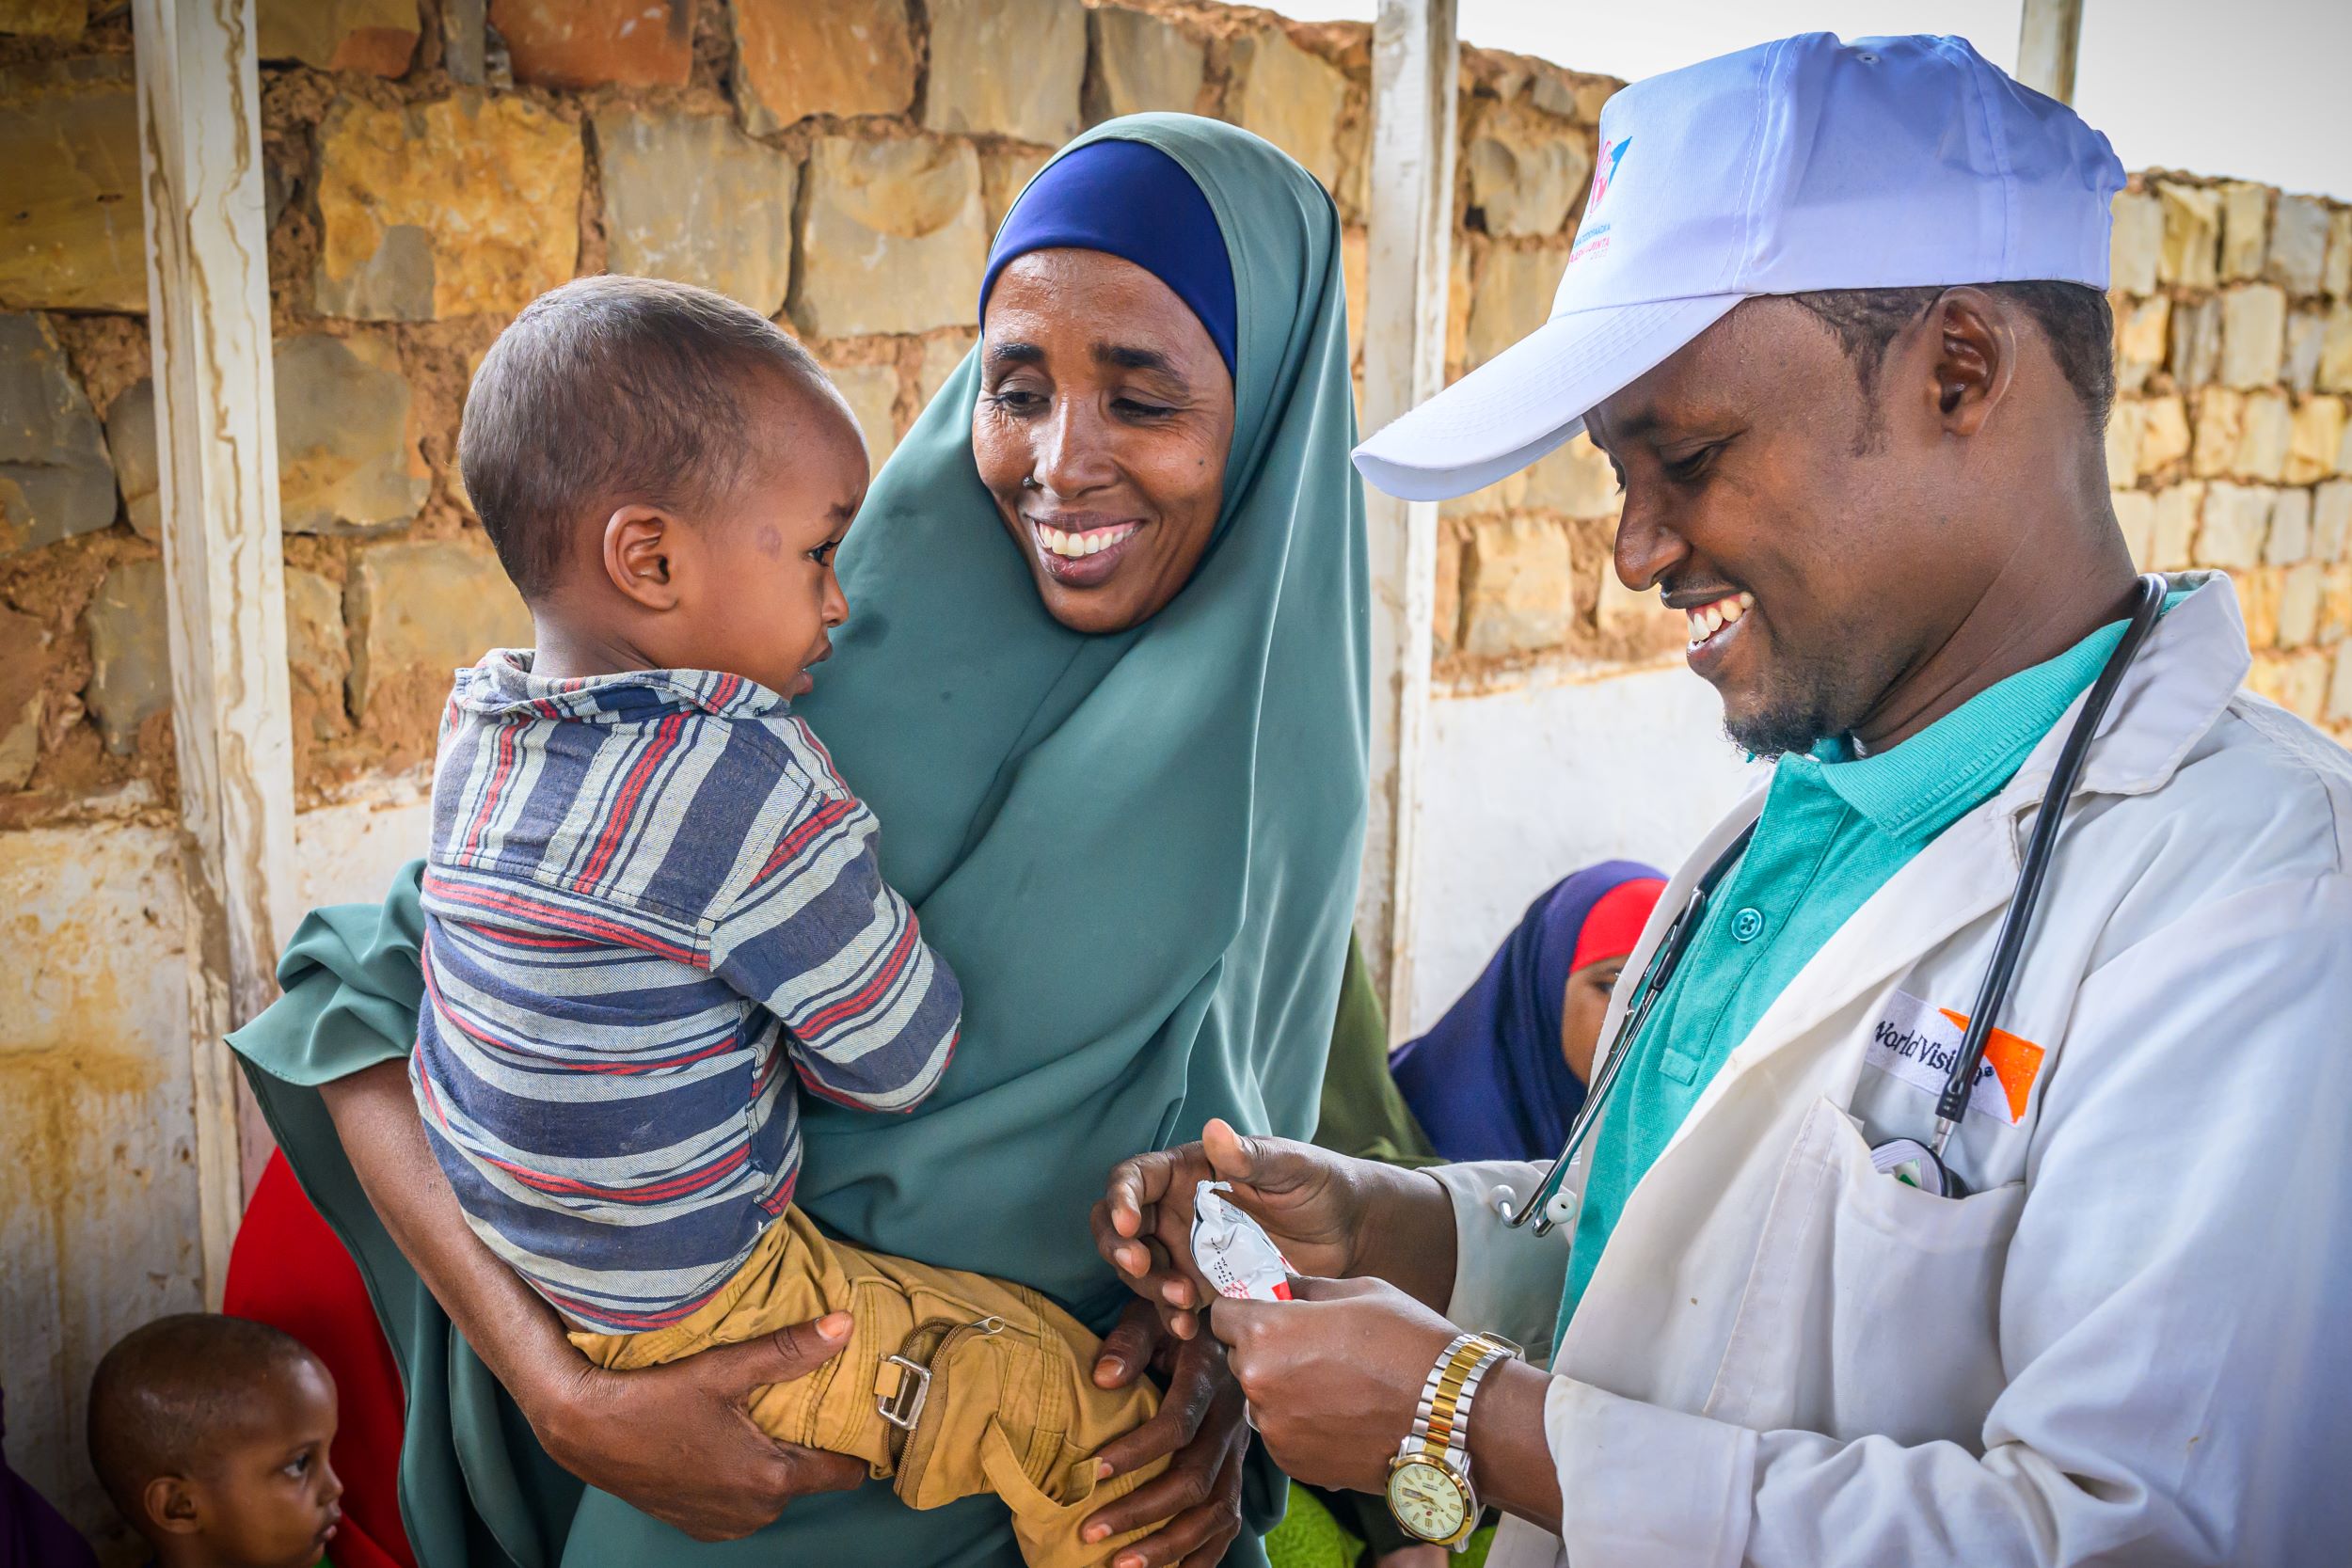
point(1028, 482)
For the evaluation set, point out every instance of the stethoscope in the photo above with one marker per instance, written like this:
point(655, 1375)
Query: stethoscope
point(1920, 1164)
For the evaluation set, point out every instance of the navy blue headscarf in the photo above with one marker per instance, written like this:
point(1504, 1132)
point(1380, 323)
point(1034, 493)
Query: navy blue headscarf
point(1128, 199)
point(1488, 1082)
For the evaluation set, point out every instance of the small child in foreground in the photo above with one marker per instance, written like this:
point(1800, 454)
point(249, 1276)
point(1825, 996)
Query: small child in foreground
point(211, 1435)
point(653, 911)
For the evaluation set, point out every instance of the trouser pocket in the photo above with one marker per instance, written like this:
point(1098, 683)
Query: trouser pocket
point(1047, 1520)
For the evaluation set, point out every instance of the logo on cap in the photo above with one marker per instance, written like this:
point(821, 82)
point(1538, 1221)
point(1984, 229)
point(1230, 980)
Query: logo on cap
point(1612, 155)
point(1592, 238)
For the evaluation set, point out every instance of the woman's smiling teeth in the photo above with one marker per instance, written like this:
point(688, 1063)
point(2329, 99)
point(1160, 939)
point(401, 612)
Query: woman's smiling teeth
point(1092, 541)
point(1708, 619)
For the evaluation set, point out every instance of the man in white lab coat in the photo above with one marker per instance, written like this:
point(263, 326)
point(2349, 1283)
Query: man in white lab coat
point(1835, 315)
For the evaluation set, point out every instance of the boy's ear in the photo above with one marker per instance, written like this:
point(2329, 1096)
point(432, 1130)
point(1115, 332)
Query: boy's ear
point(171, 1505)
point(641, 555)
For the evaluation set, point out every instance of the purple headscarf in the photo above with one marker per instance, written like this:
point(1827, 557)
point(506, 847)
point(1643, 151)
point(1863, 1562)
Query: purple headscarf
point(1488, 1082)
point(32, 1533)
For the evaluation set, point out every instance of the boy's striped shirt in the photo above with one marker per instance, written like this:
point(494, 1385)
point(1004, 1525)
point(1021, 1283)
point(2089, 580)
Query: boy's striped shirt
point(647, 893)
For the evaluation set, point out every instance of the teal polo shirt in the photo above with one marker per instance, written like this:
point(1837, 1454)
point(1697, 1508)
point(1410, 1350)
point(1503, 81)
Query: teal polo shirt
point(1834, 829)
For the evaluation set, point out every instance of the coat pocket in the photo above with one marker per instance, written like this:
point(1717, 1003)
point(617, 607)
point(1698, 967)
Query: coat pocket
point(1871, 1308)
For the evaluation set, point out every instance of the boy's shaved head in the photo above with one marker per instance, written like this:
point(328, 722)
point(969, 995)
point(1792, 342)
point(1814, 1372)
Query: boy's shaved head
point(171, 1391)
point(614, 390)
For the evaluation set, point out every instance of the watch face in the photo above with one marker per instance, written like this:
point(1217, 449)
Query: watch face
point(1428, 1499)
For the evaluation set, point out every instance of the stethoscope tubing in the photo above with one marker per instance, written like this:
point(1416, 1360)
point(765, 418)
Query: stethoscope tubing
point(2008, 946)
point(1660, 969)
point(1960, 1083)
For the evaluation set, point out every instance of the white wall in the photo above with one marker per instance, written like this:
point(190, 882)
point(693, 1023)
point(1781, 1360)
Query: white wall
point(346, 854)
point(98, 1213)
point(1522, 787)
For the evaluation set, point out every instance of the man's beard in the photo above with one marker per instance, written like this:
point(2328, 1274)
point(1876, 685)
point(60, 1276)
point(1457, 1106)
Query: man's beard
point(1810, 697)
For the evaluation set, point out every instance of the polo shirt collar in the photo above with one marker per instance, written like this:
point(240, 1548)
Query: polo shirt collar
point(1916, 789)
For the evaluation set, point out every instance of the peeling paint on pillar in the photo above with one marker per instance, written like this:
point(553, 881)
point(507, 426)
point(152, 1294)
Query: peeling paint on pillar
point(209, 320)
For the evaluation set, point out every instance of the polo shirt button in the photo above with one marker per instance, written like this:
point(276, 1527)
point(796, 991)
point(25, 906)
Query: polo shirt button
point(1747, 926)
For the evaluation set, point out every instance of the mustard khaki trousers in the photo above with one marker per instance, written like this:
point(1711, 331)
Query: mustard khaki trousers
point(993, 1383)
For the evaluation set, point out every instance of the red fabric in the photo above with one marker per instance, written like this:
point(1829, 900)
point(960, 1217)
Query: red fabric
point(1614, 928)
point(288, 1270)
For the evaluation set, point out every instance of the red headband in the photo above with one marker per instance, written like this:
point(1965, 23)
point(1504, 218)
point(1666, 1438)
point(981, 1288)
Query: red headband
point(1615, 926)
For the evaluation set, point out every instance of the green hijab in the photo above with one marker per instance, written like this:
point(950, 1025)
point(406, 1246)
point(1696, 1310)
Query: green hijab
point(1138, 853)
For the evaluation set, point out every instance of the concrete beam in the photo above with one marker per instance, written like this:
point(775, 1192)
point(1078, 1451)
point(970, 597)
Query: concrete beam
point(217, 439)
point(1414, 61)
point(2049, 33)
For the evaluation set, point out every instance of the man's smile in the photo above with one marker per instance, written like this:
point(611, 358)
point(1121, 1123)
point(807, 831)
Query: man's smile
point(1712, 617)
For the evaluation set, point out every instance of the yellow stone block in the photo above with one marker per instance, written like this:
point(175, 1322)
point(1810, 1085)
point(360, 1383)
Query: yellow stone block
point(2317, 440)
point(2335, 604)
point(71, 234)
point(2173, 539)
point(2192, 236)
point(2245, 229)
point(842, 57)
point(44, 19)
point(1291, 98)
point(2258, 604)
point(2164, 437)
point(2126, 427)
point(462, 206)
point(2221, 420)
point(2262, 443)
point(2140, 339)
point(2296, 681)
point(1517, 591)
point(2300, 591)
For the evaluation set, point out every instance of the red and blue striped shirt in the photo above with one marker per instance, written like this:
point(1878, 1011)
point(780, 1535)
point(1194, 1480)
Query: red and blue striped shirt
point(648, 894)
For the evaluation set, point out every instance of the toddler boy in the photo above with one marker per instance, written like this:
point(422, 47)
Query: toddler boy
point(653, 909)
point(211, 1435)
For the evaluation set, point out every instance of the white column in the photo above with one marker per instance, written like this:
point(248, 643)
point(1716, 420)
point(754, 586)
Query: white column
point(216, 436)
point(2048, 34)
point(1414, 57)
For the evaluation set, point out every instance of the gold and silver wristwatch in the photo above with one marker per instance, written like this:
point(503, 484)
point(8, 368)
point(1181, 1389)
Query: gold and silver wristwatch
point(1429, 1485)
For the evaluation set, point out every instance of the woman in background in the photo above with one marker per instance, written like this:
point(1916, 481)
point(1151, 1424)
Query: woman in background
point(1502, 1074)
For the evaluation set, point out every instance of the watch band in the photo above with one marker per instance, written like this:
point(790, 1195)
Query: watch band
point(1440, 1431)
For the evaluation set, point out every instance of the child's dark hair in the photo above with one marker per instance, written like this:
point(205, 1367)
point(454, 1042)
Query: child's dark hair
point(172, 1388)
point(610, 391)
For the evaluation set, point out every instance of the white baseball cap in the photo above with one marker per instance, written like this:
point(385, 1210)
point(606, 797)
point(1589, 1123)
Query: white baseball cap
point(1798, 165)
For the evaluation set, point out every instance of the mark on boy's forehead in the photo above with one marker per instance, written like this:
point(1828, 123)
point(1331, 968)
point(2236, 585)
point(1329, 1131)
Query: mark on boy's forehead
point(770, 540)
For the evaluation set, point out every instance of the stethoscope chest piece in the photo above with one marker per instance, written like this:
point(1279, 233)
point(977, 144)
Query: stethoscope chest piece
point(1915, 1164)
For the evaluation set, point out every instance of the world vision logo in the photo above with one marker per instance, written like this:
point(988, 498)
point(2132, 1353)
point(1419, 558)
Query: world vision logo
point(2015, 1062)
point(1592, 238)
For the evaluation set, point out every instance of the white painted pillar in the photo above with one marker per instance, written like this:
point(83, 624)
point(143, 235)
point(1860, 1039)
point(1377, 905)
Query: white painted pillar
point(217, 438)
point(1414, 55)
point(2048, 34)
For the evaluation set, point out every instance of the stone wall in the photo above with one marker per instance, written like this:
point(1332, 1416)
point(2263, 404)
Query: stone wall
point(838, 165)
point(2230, 445)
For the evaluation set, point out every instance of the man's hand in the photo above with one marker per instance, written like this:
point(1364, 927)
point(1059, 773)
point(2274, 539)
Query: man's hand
point(1309, 1201)
point(1200, 1425)
point(677, 1441)
point(1334, 1376)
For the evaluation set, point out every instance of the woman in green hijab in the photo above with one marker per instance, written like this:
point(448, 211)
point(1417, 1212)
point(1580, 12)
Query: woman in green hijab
point(1104, 683)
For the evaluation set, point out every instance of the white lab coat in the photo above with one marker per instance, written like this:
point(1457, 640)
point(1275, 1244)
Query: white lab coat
point(2130, 1343)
